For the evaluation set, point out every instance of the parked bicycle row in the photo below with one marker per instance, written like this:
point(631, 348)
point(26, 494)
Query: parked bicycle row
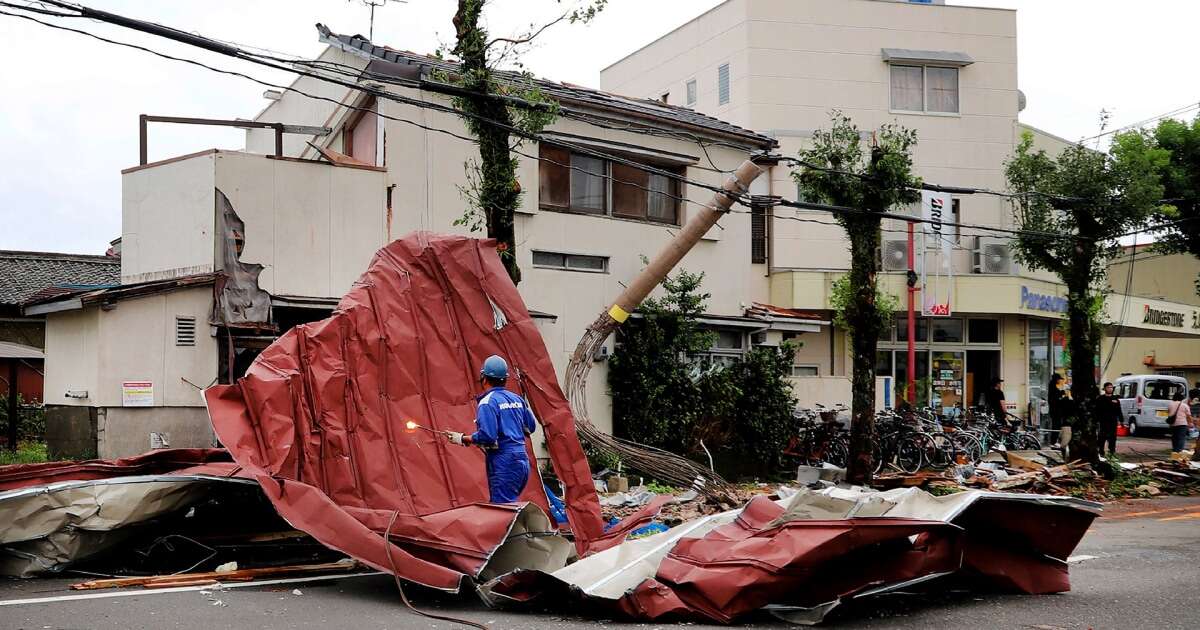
point(908, 442)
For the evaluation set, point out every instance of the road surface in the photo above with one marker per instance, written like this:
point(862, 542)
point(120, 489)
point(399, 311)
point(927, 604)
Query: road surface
point(1143, 573)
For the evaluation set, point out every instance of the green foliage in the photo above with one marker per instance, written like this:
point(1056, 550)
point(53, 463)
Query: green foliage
point(28, 452)
point(33, 420)
point(1179, 174)
point(665, 394)
point(659, 488)
point(840, 294)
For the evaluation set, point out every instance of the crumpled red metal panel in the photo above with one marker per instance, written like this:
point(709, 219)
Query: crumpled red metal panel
point(319, 418)
point(178, 461)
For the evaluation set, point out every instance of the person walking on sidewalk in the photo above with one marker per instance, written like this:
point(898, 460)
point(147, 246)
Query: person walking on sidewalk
point(502, 421)
point(1180, 421)
point(1060, 411)
point(1108, 416)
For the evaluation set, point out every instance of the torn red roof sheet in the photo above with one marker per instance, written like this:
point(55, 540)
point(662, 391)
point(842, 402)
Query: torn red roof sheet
point(319, 418)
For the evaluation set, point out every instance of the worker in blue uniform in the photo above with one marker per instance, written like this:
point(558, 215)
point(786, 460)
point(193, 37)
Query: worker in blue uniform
point(502, 420)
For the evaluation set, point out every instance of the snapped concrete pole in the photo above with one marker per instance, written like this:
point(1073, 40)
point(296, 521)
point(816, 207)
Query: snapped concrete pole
point(660, 464)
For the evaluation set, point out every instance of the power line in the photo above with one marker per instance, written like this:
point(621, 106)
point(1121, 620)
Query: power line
point(1174, 112)
point(233, 51)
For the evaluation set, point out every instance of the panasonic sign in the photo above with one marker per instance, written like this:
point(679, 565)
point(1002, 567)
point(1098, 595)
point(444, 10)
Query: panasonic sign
point(1039, 302)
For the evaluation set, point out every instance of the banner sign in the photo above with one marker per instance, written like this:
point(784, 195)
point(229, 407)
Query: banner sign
point(936, 287)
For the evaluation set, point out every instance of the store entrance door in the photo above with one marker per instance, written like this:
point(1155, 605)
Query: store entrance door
point(982, 367)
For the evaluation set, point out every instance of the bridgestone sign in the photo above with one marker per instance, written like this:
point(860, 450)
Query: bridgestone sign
point(1162, 318)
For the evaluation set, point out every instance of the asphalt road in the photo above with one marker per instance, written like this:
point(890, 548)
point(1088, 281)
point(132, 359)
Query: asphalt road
point(1145, 574)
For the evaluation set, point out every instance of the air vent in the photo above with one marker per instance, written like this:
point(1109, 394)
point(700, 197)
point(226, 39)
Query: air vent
point(993, 256)
point(185, 331)
point(894, 255)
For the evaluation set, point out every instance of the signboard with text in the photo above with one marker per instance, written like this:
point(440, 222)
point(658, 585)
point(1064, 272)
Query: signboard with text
point(938, 282)
point(137, 394)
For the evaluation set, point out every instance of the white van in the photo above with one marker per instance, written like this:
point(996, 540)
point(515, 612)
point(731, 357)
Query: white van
point(1145, 398)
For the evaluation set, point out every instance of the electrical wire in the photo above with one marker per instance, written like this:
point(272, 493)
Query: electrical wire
point(1174, 112)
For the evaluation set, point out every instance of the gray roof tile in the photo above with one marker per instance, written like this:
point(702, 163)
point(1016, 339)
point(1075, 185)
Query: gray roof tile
point(24, 274)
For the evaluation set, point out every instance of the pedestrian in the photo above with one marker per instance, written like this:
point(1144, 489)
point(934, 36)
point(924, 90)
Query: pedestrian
point(1180, 414)
point(1108, 416)
point(502, 422)
point(993, 400)
point(1194, 396)
point(1059, 406)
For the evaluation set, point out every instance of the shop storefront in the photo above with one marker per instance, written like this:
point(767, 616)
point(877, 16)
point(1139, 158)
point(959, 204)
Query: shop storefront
point(956, 358)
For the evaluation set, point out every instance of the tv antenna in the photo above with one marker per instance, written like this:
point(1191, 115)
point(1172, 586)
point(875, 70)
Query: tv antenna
point(373, 4)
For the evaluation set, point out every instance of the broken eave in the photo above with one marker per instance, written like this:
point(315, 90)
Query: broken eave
point(98, 297)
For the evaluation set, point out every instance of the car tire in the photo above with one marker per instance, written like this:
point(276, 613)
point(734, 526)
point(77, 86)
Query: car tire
point(1132, 427)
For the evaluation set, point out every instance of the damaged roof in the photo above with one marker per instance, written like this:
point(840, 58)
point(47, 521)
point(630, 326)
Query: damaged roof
point(24, 274)
point(50, 302)
point(652, 110)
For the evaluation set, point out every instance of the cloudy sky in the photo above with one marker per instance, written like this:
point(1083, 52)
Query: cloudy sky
point(69, 116)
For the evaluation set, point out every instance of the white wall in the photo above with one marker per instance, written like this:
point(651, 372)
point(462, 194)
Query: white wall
point(167, 219)
point(97, 350)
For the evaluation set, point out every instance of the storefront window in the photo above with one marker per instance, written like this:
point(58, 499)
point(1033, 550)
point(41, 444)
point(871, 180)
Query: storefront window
point(947, 379)
point(1039, 361)
point(983, 331)
point(883, 363)
point(902, 329)
point(922, 375)
point(946, 330)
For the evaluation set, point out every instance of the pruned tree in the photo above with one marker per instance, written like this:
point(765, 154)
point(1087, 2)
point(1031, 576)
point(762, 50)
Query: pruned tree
point(1179, 216)
point(1072, 210)
point(840, 169)
point(494, 105)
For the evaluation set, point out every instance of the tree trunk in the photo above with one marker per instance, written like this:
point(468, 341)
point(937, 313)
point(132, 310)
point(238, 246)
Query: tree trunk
point(863, 320)
point(499, 193)
point(1083, 341)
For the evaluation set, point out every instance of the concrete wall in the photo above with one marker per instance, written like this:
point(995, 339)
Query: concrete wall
point(804, 58)
point(72, 357)
point(314, 227)
point(70, 432)
point(167, 219)
point(125, 431)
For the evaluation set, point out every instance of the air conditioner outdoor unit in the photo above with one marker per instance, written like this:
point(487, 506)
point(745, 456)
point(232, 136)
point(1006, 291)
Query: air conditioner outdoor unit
point(894, 255)
point(992, 256)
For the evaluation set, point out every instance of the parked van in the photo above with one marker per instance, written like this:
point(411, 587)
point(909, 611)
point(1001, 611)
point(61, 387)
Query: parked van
point(1145, 398)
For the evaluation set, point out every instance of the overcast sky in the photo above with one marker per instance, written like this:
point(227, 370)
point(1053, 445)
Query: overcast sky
point(68, 119)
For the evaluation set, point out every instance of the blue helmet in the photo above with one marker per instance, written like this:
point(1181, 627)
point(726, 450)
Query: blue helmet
point(494, 367)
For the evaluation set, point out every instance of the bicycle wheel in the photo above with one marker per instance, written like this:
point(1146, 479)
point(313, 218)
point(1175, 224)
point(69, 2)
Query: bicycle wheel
point(910, 452)
point(968, 445)
point(1030, 441)
point(838, 451)
point(942, 453)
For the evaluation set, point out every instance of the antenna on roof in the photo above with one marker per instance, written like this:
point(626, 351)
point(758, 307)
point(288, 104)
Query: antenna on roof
point(373, 4)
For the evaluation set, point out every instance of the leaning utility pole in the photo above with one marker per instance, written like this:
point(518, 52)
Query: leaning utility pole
point(662, 465)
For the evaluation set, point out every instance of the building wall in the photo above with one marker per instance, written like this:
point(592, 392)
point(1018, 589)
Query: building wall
point(167, 219)
point(803, 59)
point(96, 350)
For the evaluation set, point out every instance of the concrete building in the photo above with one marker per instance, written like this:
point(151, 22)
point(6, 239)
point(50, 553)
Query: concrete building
point(1142, 272)
point(949, 73)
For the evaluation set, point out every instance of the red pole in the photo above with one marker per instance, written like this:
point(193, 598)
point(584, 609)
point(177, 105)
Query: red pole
point(912, 322)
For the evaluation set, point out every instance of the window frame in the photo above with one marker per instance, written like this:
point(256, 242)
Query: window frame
point(612, 190)
point(924, 111)
point(690, 92)
point(566, 257)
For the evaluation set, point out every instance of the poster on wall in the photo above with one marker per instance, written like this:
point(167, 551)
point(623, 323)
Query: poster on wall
point(937, 278)
point(137, 394)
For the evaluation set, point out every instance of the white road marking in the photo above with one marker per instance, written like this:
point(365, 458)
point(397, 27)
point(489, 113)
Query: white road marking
point(180, 589)
point(1076, 559)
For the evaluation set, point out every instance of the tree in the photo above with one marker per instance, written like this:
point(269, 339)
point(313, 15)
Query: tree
point(838, 170)
point(494, 104)
point(1072, 210)
point(1180, 177)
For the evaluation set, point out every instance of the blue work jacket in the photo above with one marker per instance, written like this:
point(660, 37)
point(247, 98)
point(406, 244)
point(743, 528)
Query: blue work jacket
point(502, 420)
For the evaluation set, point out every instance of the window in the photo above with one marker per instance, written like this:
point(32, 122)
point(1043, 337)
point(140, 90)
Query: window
point(691, 93)
point(572, 262)
point(902, 329)
point(588, 189)
point(723, 84)
point(728, 340)
point(805, 370)
point(924, 89)
point(185, 330)
point(359, 140)
point(758, 235)
point(1128, 389)
point(1163, 390)
point(955, 217)
point(983, 331)
point(581, 183)
point(946, 330)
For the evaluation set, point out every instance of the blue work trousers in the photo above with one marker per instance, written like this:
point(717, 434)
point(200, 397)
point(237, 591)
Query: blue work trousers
point(508, 472)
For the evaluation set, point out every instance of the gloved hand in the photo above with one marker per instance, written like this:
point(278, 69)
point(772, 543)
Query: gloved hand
point(455, 437)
